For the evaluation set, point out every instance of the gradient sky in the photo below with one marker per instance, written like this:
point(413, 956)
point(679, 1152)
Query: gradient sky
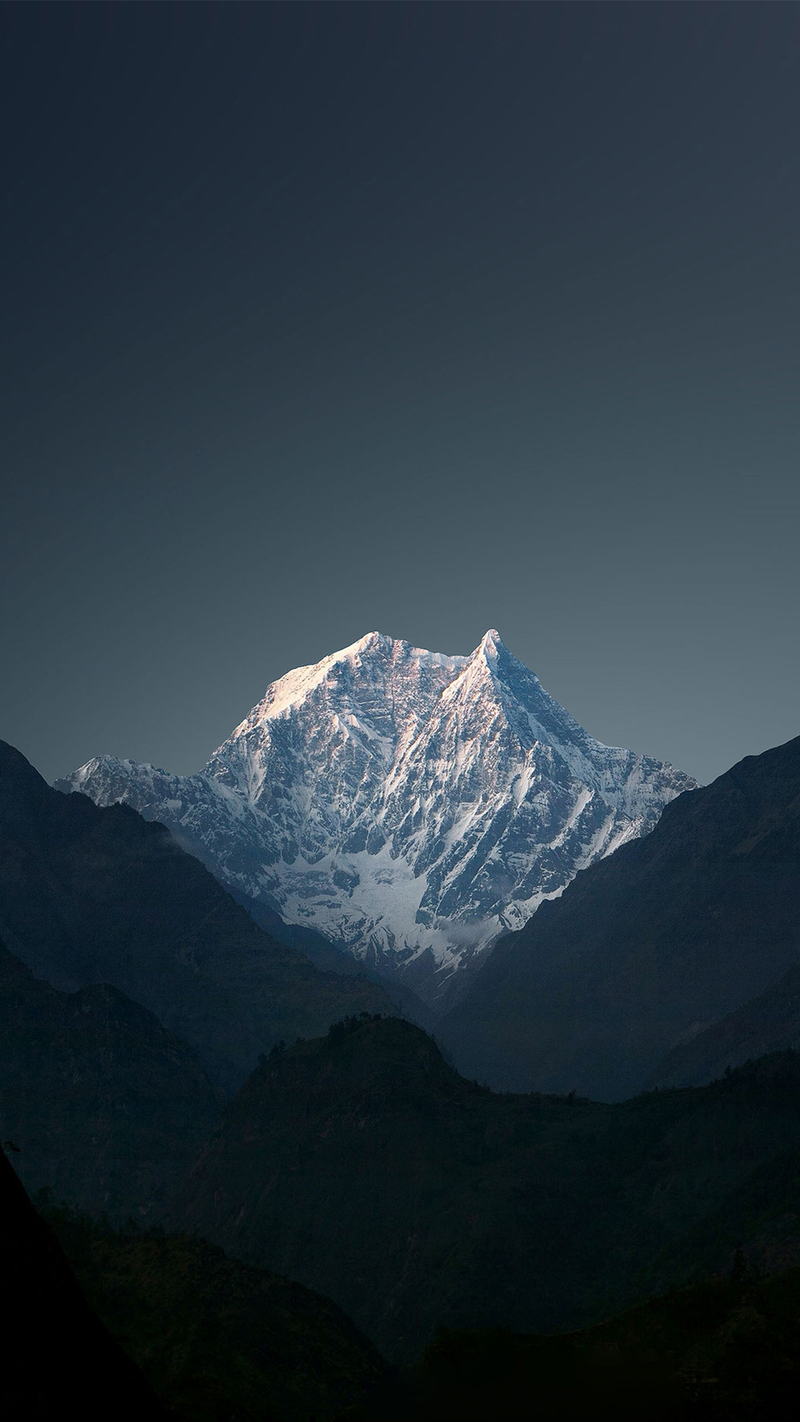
point(424, 318)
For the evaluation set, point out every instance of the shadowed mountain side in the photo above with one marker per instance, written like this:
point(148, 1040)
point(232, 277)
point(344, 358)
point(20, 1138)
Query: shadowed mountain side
point(92, 895)
point(365, 1167)
point(768, 1023)
point(724, 1351)
point(665, 937)
point(219, 1341)
point(108, 1109)
point(58, 1359)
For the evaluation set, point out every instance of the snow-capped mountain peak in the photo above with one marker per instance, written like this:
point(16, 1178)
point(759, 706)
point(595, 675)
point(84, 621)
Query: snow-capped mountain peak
point(409, 804)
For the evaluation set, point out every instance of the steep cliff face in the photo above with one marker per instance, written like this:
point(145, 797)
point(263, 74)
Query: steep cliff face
point(408, 804)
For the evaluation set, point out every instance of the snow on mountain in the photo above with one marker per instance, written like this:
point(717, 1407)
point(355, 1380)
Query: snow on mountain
point(410, 805)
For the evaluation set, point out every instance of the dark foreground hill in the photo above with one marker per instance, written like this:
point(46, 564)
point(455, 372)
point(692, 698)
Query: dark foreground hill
point(57, 1358)
point(648, 947)
point(362, 1165)
point(108, 1108)
point(219, 1341)
point(727, 1350)
point(91, 895)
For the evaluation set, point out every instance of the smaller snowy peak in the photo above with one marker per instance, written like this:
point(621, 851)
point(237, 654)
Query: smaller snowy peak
point(109, 767)
point(491, 662)
point(522, 691)
point(111, 771)
point(85, 773)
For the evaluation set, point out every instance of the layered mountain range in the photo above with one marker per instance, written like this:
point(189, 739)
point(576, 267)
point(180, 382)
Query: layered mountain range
point(362, 1164)
point(409, 805)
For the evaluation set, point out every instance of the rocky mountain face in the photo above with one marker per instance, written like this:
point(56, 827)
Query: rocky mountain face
point(106, 1107)
point(407, 804)
point(91, 895)
point(650, 948)
point(362, 1165)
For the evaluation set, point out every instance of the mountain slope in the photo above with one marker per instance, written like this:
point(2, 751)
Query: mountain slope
point(108, 1109)
point(648, 947)
point(365, 1167)
point(405, 803)
point(91, 895)
point(767, 1023)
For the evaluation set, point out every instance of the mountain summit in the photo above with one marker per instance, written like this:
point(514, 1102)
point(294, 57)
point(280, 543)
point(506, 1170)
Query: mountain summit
point(408, 804)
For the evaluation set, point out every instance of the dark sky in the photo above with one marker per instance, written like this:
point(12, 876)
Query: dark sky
point(423, 318)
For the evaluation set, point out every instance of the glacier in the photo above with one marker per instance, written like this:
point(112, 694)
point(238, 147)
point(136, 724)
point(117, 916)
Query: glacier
point(408, 805)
